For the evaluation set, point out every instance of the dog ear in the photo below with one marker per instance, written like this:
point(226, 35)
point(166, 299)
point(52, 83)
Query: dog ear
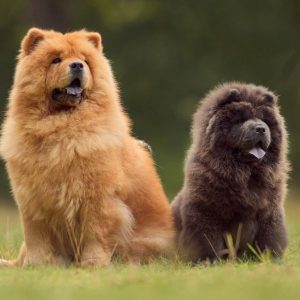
point(33, 37)
point(270, 98)
point(95, 39)
point(233, 95)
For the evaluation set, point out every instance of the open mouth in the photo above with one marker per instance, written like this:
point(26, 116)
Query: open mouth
point(257, 151)
point(73, 91)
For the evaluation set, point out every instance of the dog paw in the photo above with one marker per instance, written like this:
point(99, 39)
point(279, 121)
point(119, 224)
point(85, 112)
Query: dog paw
point(39, 260)
point(96, 262)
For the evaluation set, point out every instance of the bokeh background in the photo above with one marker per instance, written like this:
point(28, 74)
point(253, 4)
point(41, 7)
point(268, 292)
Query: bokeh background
point(166, 55)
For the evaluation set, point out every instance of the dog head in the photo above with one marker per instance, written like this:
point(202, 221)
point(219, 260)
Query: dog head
point(241, 122)
point(58, 72)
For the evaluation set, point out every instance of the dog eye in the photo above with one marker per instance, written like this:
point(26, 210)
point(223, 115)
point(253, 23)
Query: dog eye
point(236, 118)
point(239, 115)
point(56, 60)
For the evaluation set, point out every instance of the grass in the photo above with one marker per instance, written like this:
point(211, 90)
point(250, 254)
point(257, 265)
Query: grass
point(160, 280)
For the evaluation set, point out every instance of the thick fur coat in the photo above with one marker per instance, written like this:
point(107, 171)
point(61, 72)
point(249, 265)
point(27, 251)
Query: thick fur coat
point(86, 189)
point(235, 175)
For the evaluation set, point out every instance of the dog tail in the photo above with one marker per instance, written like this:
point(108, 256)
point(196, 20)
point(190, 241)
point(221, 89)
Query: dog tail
point(8, 263)
point(15, 262)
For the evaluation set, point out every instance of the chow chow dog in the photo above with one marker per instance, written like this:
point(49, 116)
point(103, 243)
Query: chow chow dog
point(235, 176)
point(86, 189)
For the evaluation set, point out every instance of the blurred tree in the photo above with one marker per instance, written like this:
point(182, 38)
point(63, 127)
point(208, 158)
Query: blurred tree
point(54, 14)
point(168, 54)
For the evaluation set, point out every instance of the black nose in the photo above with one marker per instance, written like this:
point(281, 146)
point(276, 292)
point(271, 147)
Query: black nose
point(76, 66)
point(260, 129)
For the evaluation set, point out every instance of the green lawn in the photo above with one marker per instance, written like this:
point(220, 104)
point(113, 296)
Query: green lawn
point(160, 280)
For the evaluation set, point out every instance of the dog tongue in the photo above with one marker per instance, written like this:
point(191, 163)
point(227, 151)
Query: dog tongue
point(257, 152)
point(74, 91)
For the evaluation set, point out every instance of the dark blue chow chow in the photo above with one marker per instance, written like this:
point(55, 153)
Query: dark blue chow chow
point(235, 175)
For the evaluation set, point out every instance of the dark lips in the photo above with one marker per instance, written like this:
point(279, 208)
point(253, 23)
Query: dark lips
point(257, 151)
point(73, 90)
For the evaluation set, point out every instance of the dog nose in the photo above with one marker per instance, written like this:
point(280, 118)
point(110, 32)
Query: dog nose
point(76, 66)
point(260, 129)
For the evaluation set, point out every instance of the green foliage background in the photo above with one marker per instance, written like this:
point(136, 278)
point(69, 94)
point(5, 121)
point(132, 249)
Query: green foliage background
point(166, 55)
